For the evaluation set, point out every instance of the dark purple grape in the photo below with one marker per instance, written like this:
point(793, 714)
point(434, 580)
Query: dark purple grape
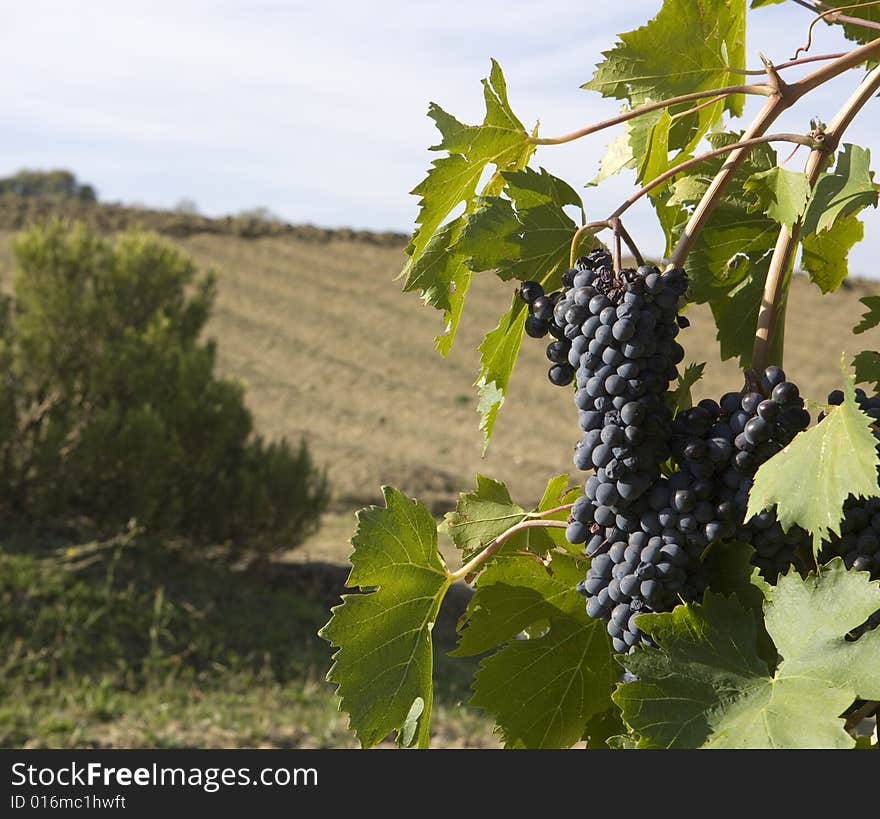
point(557, 352)
point(757, 430)
point(785, 393)
point(535, 327)
point(542, 307)
point(561, 374)
point(529, 291)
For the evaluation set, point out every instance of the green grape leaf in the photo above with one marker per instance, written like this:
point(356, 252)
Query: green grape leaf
point(618, 155)
point(686, 47)
point(501, 140)
point(655, 158)
point(525, 236)
point(811, 478)
point(680, 50)
point(529, 236)
point(442, 275)
point(680, 397)
point(498, 352)
point(384, 659)
point(634, 141)
point(557, 493)
point(867, 367)
point(605, 730)
point(544, 690)
point(480, 516)
point(871, 317)
point(779, 193)
point(847, 189)
point(825, 253)
point(736, 315)
point(483, 514)
point(758, 3)
point(546, 230)
point(514, 592)
point(730, 570)
point(737, 239)
point(554, 492)
point(490, 235)
point(705, 686)
point(558, 535)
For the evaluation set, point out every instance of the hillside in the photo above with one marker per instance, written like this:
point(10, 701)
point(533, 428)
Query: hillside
point(313, 323)
point(329, 348)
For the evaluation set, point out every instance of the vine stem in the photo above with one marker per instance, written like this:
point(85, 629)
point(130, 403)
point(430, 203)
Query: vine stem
point(616, 255)
point(783, 97)
point(839, 18)
point(822, 15)
point(700, 107)
point(783, 252)
point(798, 139)
point(762, 89)
point(546, 512)
point(620, 232)
point(478, 560)
point(816, 58)
point(590, 227)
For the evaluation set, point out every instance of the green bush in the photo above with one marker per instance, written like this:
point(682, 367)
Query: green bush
point(58, 184)
point(111, 408)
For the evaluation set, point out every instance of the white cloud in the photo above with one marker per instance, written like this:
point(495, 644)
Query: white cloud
point(317, 110)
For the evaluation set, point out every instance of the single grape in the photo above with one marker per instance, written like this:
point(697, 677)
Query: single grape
point(535, 327)
point(557, 352)
point(561, 374)
point(542, 307)
point(529, 291)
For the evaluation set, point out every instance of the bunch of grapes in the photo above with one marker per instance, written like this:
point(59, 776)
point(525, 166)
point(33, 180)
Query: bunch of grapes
point(725, 442)
point(615, 334)
point(648, 556)
point(641, 561)
point(859, 540)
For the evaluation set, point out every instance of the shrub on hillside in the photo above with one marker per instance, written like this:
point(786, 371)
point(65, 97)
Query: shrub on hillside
point(59, 184)
point(111, 407)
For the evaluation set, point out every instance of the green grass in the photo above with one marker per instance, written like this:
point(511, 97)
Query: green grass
point(239, 710)
point(133, 643)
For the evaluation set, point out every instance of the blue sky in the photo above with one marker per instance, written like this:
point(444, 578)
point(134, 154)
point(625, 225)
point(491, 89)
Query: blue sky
point(317, 110)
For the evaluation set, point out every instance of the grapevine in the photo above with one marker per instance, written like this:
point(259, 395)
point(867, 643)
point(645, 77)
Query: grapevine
point(709, 557)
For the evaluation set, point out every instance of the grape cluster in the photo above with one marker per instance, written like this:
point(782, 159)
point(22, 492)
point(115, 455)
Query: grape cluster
point(725, 443)
point(648, 555)
point(614, 335)
point(617, 332)
point(641, 559)
point(859, 540)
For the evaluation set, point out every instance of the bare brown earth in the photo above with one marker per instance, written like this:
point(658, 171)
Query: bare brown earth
point(330, 349)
